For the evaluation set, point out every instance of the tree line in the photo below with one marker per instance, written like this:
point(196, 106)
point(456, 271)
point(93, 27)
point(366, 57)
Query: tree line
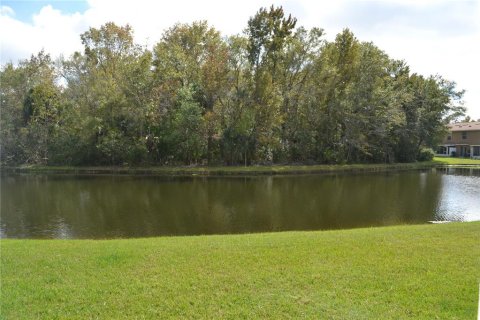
point(277, 93)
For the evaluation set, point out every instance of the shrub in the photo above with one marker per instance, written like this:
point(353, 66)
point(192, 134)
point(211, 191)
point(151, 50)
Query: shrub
point(426, 154)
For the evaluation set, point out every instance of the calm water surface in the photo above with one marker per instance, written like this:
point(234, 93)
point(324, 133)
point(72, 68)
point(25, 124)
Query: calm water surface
point(65, 206)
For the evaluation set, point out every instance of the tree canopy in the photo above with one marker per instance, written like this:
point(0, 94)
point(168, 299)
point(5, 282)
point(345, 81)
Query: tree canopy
point(278, 93)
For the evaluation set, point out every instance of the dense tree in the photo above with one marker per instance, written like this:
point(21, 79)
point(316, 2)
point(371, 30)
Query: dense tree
point(268, 32)
point(277, 93)
point(190, 57)
point(428, 104)
point(109, 90)
point(30, 109)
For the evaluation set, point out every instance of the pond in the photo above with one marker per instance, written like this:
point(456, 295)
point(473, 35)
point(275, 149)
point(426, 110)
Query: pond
point(108, 206)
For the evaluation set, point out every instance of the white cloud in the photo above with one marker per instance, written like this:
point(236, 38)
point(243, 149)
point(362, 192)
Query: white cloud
point(6, 10)
point(51, 30)
point(433, 36)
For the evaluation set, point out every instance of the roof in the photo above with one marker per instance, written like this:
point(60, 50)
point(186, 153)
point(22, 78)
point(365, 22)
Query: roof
point(464, 126)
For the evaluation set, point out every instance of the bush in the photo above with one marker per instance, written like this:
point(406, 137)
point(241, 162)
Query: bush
point(426, 154)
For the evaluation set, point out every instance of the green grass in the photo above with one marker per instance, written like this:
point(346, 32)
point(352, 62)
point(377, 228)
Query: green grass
point(226, 170)
point(405, 272)
point(242, 170)
point(456, 161)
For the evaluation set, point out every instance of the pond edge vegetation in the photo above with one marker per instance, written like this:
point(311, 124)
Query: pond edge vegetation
point(245, 170)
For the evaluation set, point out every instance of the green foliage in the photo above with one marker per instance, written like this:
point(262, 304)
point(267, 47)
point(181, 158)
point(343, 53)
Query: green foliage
point(278, 93)
point(188, 128)
point(426, 154)
point(31, 109)
point(267, 32)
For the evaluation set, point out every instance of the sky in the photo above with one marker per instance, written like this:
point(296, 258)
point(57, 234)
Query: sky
point(432, 36)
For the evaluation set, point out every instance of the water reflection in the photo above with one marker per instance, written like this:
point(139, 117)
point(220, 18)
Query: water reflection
point(460, 195)
point(54, 206)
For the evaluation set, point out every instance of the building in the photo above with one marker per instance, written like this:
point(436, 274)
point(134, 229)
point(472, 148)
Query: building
point(463, 140)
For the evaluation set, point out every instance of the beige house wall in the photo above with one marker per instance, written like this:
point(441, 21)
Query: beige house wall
point(473, 138)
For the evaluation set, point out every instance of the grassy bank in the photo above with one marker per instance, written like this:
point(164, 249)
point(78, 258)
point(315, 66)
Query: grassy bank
point(242, 170)
point(416, 272)
point(226, 170)
point(456, 161)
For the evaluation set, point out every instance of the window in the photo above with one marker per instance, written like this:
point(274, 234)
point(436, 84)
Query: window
point(476, 151)
point(464, 135)
point(449, 137)
point(442, 150)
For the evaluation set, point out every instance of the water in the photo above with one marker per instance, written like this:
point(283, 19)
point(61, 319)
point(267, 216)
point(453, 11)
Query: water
point(65, 206)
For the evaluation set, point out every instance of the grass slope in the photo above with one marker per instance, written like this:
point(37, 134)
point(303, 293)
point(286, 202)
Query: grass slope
point(226, 170)
point(456, 161)
point(405, 272)
point(241, 170)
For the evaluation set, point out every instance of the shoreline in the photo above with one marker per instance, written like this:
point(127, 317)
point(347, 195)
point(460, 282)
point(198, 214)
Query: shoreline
point(235, 170)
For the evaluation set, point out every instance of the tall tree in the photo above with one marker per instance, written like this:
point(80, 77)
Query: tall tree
point(192, 56)
point(267, 32)
point(115, 72)
point(429, 105)
point(29, 109)
point(277, 93)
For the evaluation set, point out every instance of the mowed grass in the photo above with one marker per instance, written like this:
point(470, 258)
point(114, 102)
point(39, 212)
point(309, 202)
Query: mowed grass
point(456, 161)
point(404, 272)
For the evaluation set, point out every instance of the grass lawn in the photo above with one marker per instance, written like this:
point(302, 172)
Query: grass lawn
point(452, 161)
point(405, 272)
